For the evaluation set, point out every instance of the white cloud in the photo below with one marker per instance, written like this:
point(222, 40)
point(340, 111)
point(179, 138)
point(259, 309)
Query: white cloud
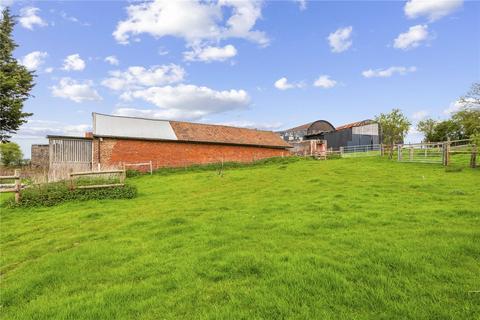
point(325, 82)
point(162, 52)
point(67, 17)
point(76, 91)
point(302, 4)
point(29, 18)
point(340, 40)
point(33, 60)
point(420, 115)
point(412, 38)
point(73, 62)
point(432, 9)
point(37, 129)
point(385, 73)
point(137, 77)
point(168, 114)
point(283, 84)
point(457, 106)
point(190, 101)
point(209, 53)
point(195, 21)
point(112, 60)
point(49, 70)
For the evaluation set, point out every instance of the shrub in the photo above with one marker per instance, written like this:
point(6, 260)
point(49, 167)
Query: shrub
point(55, 193)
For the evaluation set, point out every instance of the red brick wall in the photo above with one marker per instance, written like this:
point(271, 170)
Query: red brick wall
point(175, 154)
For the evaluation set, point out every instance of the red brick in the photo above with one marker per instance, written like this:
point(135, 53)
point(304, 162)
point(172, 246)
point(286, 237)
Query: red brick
point(114, 152)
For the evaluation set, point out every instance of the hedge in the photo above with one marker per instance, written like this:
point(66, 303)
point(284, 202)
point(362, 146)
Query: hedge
point(55, 193)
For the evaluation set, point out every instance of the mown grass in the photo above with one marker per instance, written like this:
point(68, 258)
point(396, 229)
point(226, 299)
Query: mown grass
point(340, 239)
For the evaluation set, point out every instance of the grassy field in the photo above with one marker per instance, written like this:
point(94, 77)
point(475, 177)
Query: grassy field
point(337, 239)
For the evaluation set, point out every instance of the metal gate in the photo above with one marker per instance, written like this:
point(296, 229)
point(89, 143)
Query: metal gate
point(422, 152)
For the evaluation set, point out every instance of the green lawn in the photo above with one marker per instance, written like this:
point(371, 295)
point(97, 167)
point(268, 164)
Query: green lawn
point(338, 239)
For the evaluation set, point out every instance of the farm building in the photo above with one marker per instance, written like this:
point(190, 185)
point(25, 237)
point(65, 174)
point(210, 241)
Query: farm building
point(299, 133)
point(366, 132)
point(117, 140)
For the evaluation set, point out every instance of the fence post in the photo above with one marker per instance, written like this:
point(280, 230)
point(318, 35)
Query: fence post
point(70, 179)
point(473, 157)
point(399, 153)
point(341, 152)
point(123, 175)
point(151, 168)
point(446, 153)
point(18, 185)
point(410, 155)
point(382, 150)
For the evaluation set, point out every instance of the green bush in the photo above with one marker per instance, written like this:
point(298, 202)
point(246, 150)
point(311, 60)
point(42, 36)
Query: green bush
point(54, 193)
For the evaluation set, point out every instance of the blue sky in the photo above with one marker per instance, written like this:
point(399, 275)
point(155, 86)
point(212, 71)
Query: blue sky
point(268, 65)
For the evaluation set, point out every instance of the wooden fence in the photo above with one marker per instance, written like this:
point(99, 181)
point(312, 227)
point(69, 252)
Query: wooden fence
point(445, 153)
point(15, 187)
point(140, 164)
point(73, 185)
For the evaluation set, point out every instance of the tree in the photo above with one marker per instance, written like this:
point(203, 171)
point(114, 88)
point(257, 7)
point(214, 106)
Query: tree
point(394, 126)
point(468, 118)
point(448, 129)
point(428, 128)
point(10, 153)
point(16, 82)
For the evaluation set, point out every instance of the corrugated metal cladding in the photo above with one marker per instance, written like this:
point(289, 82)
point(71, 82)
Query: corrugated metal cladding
point(350, 136)
point(369, 129)
point(125, 127)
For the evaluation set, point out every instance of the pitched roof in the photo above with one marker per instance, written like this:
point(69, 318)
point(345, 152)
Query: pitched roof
point(354, 124)
point(197, 132)
point(155, 129)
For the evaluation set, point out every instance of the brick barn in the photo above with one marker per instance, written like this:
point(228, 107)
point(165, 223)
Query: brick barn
point(116, 140)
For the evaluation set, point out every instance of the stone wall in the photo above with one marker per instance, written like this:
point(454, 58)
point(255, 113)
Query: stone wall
point(40, 156)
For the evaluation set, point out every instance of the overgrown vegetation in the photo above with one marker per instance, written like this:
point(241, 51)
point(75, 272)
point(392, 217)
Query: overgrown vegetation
point(55, 193)
point(344, 239)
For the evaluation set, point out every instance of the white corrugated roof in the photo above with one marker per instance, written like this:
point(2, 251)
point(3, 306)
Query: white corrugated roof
point(115, 126)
